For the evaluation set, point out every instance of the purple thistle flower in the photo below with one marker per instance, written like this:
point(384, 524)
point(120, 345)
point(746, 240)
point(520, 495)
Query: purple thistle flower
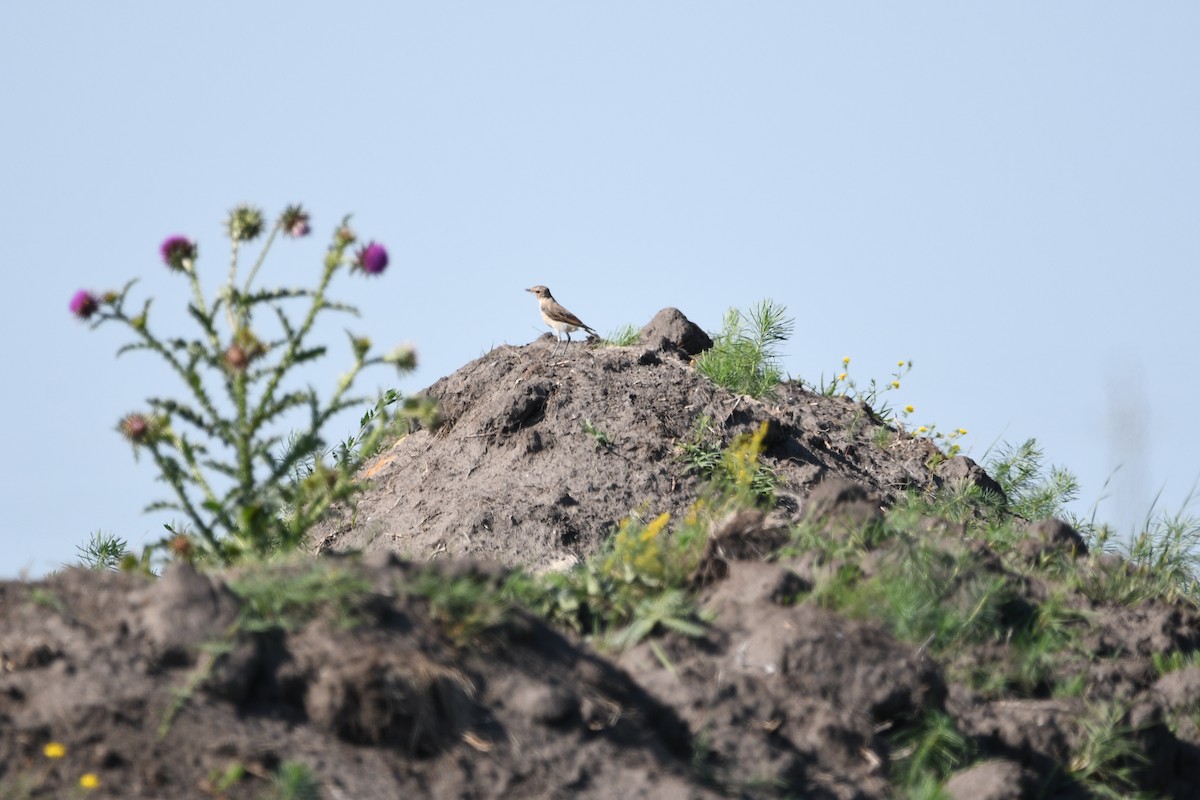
point(372, 259)
point(84, 304)
point(178, 253)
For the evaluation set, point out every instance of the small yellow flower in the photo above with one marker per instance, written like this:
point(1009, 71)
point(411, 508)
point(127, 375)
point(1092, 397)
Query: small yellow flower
point(895, 384)
point(962, 431)
point(842, 376)
point(908, 409)
point(922, 429)
point(846, 361)
point(54, 750)
point(900, 363)
point(88, 780)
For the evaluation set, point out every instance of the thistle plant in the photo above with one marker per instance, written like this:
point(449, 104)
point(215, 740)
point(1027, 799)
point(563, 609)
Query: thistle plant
point(220, 448)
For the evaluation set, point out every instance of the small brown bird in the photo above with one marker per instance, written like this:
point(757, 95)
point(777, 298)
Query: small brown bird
point(557, 317)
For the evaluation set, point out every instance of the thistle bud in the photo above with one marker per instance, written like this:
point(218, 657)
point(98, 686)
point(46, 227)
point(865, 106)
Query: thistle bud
point(138, 428)
point(372, 259)
point(404, 357)
point(245, 223)
point(294, 222)
point(181, 547)
point(236, 358)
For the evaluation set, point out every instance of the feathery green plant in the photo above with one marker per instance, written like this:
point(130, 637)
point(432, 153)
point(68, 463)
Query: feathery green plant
point(217, 447)
point(1032, 492)
point(926, 750)
point(294, 780)
point(103, 551)
point(744, 357)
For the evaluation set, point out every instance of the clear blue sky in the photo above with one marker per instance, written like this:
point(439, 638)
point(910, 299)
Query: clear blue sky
point(1008, 194)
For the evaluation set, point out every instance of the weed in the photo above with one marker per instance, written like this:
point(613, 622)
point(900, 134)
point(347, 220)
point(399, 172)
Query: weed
point(294, 780)
point(466, 606)
point(1175, 661)
point(24, 784)
point(220, 781)
point(278, 597)
point(103, 552)
point(1161, 562)
point(926, 751)
point(636, 582)
point(1032, 492)
point(214, 447)
point(599, 436)
point(843, 385)
point(737, 470)
point(623, 336)
point(744, 357)
point(1108, 757)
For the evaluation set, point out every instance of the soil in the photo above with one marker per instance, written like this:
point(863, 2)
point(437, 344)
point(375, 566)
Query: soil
point(161, 688)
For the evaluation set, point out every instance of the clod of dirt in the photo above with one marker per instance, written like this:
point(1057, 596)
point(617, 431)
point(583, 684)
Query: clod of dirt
point(993, 780)
point(964, 471)
point(1050, 536)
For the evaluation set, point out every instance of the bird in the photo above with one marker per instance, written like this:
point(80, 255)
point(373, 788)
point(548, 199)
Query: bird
point(557, 317)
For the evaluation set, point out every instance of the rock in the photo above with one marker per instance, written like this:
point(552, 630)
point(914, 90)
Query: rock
point(670, 331)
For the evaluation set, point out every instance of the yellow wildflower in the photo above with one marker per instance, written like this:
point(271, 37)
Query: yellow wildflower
point(654, 528)
point(846, 361)
point(922, 429)
point(900, 363)
point(88, 780)
point(895, 384)
point(842, 377)
point(54, 750)
point(908, 409)
point(962, 431)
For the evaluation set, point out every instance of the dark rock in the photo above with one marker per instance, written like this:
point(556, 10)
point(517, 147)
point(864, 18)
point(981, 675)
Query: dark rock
point(670, 330)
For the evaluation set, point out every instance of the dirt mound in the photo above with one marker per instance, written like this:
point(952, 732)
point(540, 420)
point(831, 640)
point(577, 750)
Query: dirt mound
point(514, 475)
point(1051, 671)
